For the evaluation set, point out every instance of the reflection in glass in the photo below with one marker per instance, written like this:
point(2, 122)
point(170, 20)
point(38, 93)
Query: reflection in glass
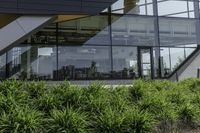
point(84, 45)
point(176, 32)
point(188, 51)
point(84, 62)
point(3, 66)
point(178, 57)
point(130, 30)
point(140, 7)
point(89, 30)
point(173, 8)
point(145, 65)
point(171, 58)
point(125, 62)
point(45, 36)
point(32, 62)
point(166, 66)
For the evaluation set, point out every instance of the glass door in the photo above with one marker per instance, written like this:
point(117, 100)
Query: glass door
point(145, 62)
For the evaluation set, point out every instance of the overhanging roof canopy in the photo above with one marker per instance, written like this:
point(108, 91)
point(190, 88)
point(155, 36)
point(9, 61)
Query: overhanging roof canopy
point(54, 7)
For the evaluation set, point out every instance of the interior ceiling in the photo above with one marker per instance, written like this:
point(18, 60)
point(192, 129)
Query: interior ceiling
point(6, 19)
point(129, 4)
point(62, 18)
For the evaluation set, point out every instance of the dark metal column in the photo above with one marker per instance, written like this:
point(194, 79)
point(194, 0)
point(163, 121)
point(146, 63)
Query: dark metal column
point(57, 59)
point(197, 16)
point(110, 38)
point(157, 41)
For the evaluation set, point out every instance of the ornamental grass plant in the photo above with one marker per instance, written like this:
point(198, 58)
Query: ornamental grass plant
point(158, 106)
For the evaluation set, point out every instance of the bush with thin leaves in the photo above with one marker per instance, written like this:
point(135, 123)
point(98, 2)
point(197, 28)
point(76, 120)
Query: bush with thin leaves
point(68, 120)
point(138, 89)
point(70, 96)
point(145, 106)
point(189, 115)
point(109, 121)
point(21, 119)
point(95, 98)
point(138, 121)
point(47, 101)
point(35, 89)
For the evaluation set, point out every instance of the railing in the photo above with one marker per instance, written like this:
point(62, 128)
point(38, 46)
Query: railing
point(183, 64)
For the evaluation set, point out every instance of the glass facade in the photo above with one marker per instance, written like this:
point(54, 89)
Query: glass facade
point(129, 40)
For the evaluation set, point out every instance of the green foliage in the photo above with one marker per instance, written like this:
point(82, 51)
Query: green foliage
point(158, 106)
point(35, 89)
point(47, 101)
point(95, 98)
point(68, 121)
point(109, 121)
point(138, 121)
point(138, 89)
point(189, 115)
point(21, 119)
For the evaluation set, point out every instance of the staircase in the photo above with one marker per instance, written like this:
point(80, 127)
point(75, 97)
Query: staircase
point(188, 68)
point(18, 30)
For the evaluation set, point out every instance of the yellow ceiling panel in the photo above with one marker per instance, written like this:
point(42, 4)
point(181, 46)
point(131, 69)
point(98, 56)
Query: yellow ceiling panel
point(6, 19)
point(62, 18)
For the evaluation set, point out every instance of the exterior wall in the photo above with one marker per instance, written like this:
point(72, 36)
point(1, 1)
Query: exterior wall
point(106, 46)
point(89, 49)
point(54, 6)
point(191, 70)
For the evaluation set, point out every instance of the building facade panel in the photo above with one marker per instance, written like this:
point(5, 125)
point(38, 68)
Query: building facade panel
point(131, 39)
point(54, 6)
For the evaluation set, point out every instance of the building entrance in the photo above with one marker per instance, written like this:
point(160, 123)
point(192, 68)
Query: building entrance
point(145, 62)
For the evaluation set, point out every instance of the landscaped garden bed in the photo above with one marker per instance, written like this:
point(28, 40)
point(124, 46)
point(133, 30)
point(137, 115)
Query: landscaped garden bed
point(146, 106)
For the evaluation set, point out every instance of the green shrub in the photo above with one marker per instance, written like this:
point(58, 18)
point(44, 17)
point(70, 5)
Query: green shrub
point(109, 121)
point(162, 85)
point(138, 90)
point(95, 98)
point(145, 106)
point(21, 119)
point(47, 101)
point(138, 121)
point(161, 110)
point(119, 98)
point(12, 99)
point(10, 86)
point(71, 97)
point(192, 84)
point(189, 115)
point(35, 89)
point(177, 96)
point(68, 121)
point(4, 105)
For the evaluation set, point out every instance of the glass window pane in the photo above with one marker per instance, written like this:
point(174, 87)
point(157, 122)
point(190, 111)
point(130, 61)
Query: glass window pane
point(3, 66)
point(89, 30)
point(191, 9)
point(125, 62)
point(177, 57)
point(165, 61)
point(177, 31)
point(189, 51)
point(173, 8)
point(32, 62)
point(46, 35)
point(132, 30)
point(140, 7)
point(86, 62)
